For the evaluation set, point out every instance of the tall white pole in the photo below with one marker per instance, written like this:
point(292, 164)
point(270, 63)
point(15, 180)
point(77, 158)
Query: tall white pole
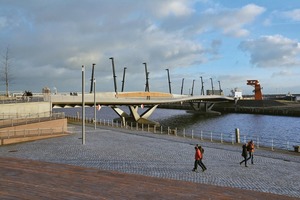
point(83, 106)
point(95, 114)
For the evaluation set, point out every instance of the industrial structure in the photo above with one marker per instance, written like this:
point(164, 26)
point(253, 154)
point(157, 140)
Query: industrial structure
point(257, 89)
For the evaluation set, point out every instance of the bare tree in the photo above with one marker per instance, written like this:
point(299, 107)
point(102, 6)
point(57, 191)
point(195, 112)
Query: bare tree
point(6, 74)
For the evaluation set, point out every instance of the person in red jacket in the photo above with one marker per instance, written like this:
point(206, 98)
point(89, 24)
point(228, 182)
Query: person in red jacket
point(200, 163)
point(198, 157)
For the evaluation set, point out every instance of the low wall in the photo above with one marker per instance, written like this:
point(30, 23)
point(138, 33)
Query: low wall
point(34, 131)
point(28, 139)
point(15, 110)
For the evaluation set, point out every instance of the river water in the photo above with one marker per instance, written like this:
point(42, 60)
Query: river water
point(278, 131)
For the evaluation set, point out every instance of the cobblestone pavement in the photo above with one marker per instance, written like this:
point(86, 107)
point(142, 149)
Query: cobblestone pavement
point(166, 157)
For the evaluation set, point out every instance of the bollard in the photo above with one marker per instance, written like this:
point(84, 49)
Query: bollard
point(201, 135)
point(154, 129)
point(237, 136)
point(211, 138)
point(192, 134)
point(221, 137)
point(184, 132)
point(168, 130)
point(161, 130)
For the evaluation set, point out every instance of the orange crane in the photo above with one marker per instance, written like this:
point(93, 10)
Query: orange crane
point(257, 88)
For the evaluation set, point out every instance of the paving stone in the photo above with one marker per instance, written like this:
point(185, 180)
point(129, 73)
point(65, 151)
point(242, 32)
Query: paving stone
point(167, 157)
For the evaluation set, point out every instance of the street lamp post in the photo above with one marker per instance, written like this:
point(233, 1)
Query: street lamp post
point(182, 86)
point(193, 88)
point(95, 114)
point(123, 82)
point(212, 86)
point(83, 106)
point(202, 86)
point(169, 81)
point(147, 89)
point(114, 74)
point(220, 87)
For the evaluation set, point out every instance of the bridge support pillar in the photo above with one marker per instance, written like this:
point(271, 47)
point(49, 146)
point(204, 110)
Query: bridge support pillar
point(134, 116)
point(203, 108)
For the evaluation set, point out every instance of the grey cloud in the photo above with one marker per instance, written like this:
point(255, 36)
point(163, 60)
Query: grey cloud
point(272, 51)
point(51, 40)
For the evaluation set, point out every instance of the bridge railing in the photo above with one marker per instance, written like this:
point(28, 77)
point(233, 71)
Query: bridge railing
point(217, 137)
point(22, 100)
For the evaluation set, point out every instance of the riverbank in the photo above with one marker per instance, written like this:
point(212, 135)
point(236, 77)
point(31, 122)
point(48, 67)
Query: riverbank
point(265, 107)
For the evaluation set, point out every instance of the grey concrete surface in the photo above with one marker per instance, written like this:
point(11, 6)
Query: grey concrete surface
point(168, 157)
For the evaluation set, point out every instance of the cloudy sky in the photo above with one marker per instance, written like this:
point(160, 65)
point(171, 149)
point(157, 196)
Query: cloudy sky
point(220, 40)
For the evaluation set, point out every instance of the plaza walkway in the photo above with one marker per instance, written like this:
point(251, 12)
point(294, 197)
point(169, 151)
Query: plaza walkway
point(123, 164)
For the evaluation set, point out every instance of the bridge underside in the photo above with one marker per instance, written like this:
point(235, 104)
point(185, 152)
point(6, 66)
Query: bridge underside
point(203, 108)
point(199, 108)
point(134, 116)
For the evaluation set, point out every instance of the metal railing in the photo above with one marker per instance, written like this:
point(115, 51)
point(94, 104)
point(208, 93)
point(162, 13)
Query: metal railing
point(22, 100)
point(260, 141)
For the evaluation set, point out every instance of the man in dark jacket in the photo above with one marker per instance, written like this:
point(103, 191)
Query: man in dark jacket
point(244, 154)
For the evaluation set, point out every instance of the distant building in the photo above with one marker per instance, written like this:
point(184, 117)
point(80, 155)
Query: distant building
point(236, 93)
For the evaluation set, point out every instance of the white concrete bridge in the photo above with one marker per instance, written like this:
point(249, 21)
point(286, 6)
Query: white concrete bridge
point(200, 103)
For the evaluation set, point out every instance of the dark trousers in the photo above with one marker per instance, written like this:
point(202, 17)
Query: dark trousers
point(250, 157)
point(195, 164)
point(245, 160)
point(200, 163)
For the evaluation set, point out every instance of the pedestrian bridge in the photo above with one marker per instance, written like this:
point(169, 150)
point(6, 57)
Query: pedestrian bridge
point(134, 100)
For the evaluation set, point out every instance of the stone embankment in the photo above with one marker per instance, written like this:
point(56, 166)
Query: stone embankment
point(266, 107)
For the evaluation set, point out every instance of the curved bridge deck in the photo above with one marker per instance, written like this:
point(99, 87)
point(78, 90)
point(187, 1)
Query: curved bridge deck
point(132, 98)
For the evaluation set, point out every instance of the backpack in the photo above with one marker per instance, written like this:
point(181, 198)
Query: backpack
point(202, 150)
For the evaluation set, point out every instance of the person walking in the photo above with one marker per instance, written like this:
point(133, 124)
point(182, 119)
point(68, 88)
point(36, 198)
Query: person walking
point(250, 149)
point(197, 158)
point(201, 164)
point(244, 154)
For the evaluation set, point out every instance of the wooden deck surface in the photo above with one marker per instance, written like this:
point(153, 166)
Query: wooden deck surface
point(27, 179)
